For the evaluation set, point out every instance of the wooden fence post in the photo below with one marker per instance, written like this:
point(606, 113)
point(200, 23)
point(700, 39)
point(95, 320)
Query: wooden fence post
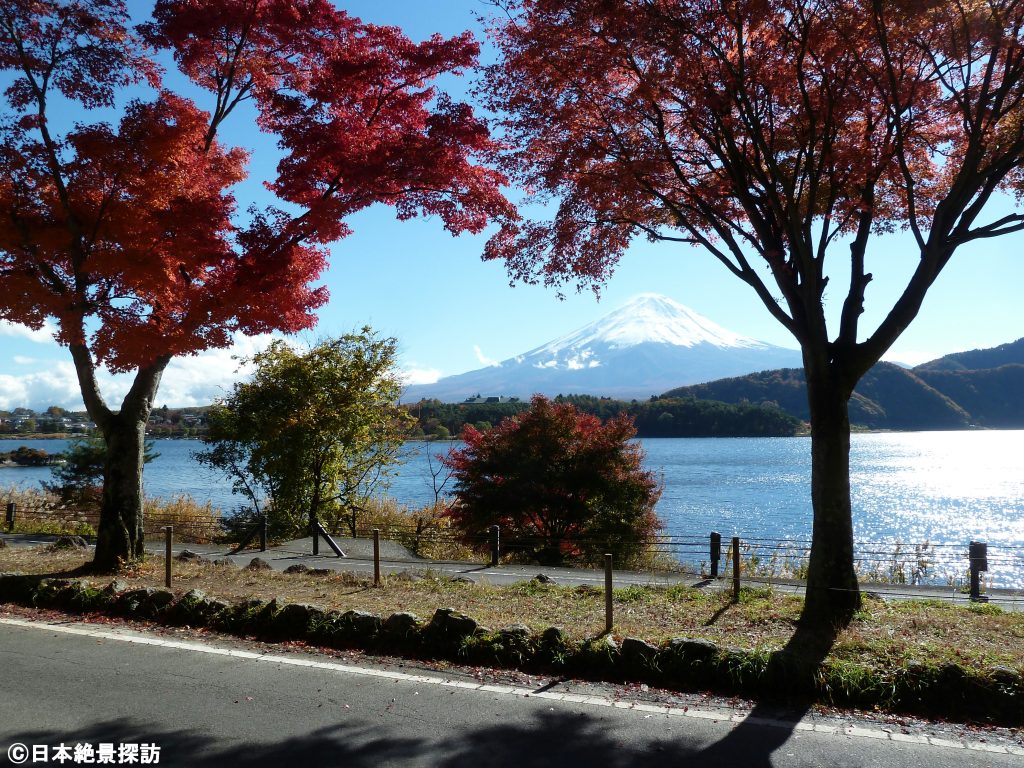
point(608, 618)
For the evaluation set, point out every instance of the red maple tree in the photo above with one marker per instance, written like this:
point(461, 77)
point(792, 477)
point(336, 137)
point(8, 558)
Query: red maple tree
point(128, 236)
point(774, 135)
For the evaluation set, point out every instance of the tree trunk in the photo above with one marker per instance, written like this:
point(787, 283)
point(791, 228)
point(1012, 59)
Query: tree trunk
point(832, 591)
point(119, 539)
point(120, 536)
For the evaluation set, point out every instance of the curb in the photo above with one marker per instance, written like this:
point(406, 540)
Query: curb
point(995, 696)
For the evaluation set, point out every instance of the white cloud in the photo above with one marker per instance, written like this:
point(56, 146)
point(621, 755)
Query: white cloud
point(39, 390)
point(200, 379)
point(582, 360)
point(188, 381)
point(484, 360)
point(22, 360)
point(416, 375)
point(43, 335)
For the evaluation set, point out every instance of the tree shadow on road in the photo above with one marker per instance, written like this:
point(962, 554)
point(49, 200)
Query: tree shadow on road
point(790, 677)
point(545, 735)
point(345, 744)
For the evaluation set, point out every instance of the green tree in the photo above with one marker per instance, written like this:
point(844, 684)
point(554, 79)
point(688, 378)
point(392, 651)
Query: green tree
point(78, 473)
point(313, 433)
point(559, 483)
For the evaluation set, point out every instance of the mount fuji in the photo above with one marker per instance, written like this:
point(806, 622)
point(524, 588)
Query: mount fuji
point(646, 347)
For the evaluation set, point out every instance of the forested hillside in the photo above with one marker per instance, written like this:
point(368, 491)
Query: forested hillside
point(947, 393)
point(657, 417)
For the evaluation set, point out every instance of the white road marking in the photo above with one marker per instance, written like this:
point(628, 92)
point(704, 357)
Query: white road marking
point(137, 638)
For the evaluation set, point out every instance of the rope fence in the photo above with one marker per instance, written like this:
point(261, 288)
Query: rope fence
point(970, 567)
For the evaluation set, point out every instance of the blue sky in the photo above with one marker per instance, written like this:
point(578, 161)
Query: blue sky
point(451, 312)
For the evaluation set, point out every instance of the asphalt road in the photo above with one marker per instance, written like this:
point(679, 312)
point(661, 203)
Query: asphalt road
point(226, 703)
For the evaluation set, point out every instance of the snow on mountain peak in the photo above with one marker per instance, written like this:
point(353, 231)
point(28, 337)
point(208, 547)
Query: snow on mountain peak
point(648, 346)
point(650, 317)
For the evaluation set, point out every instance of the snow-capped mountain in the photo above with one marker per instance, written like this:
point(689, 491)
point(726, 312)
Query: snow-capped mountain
point(644, 348)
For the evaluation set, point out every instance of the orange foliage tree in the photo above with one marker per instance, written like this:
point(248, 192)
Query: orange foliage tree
point(127, 236)
point(781, 137)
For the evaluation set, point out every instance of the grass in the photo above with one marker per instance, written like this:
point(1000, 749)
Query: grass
point(884, 636)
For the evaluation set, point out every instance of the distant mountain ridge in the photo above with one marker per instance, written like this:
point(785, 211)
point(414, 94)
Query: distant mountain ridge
point(648, 345)
point(940, 394)
point(978, 359)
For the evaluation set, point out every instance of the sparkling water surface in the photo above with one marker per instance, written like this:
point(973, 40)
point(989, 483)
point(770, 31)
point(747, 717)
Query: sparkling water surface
point(945, 488)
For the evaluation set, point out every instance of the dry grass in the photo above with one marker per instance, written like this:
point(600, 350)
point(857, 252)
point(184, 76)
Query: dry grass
point(193, 522)
point(882, 635)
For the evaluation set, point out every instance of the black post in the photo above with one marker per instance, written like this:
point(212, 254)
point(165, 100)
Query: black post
point(263, 533)
point(12, 508)
point(495, 545)
point(376, 557)
point(978, 554)
point(716, 552)
point(735, 569)
point(314, 530)
point(168, 541)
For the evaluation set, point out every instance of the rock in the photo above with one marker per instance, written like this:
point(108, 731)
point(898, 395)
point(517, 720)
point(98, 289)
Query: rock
point(598, 656)
point(360, 624)
point(1005, 676)
point(408, 576)
point(692, 650)
point(543, 578)
point(146, 602)
point(400, 625)
point(68, 542)
point(293, 619)
point(448, 626)
point(241, 617)
point(3, 543)
point(188, 556)
point(463, 580)
point(17, 588)
point(639, 657)
point(638, 650)
point(225, 562)
point(319, 572)
point(116, 587)
point(259, 564)
point(195, 608)
point(297, 568)
point(553, 636)
point(49, 592)
point(555, 650)
point(515, 632)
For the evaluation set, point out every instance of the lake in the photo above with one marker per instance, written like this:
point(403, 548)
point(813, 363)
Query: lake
point(945, 488)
